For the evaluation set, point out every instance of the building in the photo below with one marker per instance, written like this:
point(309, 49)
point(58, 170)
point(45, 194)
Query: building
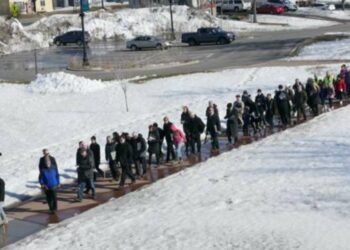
point(43, 5)
point(4, 7)
point(151, 3)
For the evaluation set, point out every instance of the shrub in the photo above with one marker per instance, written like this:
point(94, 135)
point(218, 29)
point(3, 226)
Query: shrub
point(14, 10)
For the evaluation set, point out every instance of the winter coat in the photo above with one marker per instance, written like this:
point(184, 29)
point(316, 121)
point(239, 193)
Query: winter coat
point(179, 136)
point(168, 133)
point(232, 121)
point(139, 147)
point(2, 190)
point(86, 167)
point(248, 102)
point(260, 102)
point(42, 163)
point(340, 85)
point(312, 91)
point(213, 124)
point(300, 98)
point(185, 117)
point(270, 108)
point(216, 111)
point(282, 102)
point(49, 177)
point(124, 153)
point(328, 81)
point(96, 151)
point(196, 127)
point(110, 152)
point(153, 142)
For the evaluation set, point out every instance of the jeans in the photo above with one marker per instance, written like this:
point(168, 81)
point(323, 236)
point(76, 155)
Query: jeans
point(126, 171)
point(81, 188)
point(51, 198)
point(114, 170)
point(179, 147)
point(170, 151)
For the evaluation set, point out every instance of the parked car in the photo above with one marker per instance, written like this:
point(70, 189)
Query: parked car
point(208, 35)
point(72, 37)
point(323, 6)
point(287, 5)
point(147, 42)
point(270, 9)
point(233, 5)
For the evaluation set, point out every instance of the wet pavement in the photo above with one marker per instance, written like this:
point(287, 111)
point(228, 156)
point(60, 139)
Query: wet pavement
point(32, 216)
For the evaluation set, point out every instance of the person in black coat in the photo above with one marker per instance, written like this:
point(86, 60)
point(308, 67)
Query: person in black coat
point(231, 124)
point(111, 157)
point(214, 107)
point(313, 95)
point(139, 148)
point(300, 99)
point(96, 151)
point(260, 102)
point(124, 157)
point(168, 134)
point(153, 144)
point(3, 217)
point(283, 106)
point(213, 128)
point(161, 138)
point(85, 172)
point(42, 161)
point(185, 117)
point(270, 110)
point(195, 128)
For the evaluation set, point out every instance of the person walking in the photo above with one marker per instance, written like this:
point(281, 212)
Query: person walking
point(185, 117)
point(211, 105)
point(260, 102)
point(161, 139)
point(153, 144)
point(169, 139)
point(231, 124)
point(139, 153)
point(283, 105)
point(179, 142)
point(300, 99)
point(270, 110)
point(340, 89)
point(111, 157)
point(239, 106)
point(196, 127)
point(124, 157)
point(213, 128)
point(96, 151)
point(3, 217)
point(85, 172)
point(49, 179)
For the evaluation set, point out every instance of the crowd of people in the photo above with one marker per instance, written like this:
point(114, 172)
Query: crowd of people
point(129, 152)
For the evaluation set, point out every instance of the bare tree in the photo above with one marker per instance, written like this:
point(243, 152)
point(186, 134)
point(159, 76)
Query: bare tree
point(343, 4)
point(124, 87)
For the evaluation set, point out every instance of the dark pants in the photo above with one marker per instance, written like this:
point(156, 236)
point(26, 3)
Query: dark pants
point(100, 171)
point(300, 109)
point(214, 141)
point(126, 171)
point(114, 170)
point(193, 140)
point(231, 132)
point(2, 190)
point(140, 160)
point(269, 119)
point(170, 151)
point(150, 154)
point(51, 198)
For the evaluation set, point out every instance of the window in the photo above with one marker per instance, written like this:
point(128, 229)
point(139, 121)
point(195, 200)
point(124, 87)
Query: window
point(238, 1)
point(42, 3)
point(230, 2)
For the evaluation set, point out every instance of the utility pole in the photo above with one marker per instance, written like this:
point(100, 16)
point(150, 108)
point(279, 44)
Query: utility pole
point(102, 4)
point(82, 14)
point(254, 12)
point(35, 62)
point(171, 20)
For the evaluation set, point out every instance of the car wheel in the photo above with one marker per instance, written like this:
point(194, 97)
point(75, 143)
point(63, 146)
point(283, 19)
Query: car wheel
point(80, 43)
point(236, 9)
point(58, 43)
point(222, 41)
point(192, 42)
point(159, 46)
point(133, 47)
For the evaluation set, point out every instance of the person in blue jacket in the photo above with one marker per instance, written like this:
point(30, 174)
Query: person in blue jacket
point(49, 179)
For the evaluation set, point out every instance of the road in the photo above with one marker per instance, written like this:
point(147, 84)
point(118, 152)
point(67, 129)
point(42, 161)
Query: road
point(248, 50)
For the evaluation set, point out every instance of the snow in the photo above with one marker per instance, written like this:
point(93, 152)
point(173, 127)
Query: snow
point(31, 121)
point(329, 50)
point(337, 14)
point(288, 191)
point(127, 23)
point(61, 83)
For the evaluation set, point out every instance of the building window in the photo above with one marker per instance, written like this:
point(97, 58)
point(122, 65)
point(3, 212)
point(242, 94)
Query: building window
point(42, 2)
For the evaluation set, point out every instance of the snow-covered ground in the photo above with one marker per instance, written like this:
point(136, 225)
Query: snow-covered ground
point(329, 50)
point(61, 110)
point(127, 23)
point(337, 14)
point(289, 191)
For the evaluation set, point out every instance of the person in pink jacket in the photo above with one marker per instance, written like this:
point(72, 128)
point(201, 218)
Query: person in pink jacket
point(179, 141)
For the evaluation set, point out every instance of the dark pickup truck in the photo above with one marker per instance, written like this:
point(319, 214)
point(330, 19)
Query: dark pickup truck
point(208, 35)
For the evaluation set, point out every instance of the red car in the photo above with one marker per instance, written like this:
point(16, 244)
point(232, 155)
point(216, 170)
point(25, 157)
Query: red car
point(270, 9)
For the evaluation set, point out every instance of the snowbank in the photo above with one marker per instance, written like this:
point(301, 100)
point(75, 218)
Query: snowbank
point(61, 83)
point(127, 23)
point(337, 14)
point(330, 50)
point(289, 191)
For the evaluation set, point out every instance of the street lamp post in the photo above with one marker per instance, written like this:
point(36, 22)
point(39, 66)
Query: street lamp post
point(82, 14)
point(171, 20)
